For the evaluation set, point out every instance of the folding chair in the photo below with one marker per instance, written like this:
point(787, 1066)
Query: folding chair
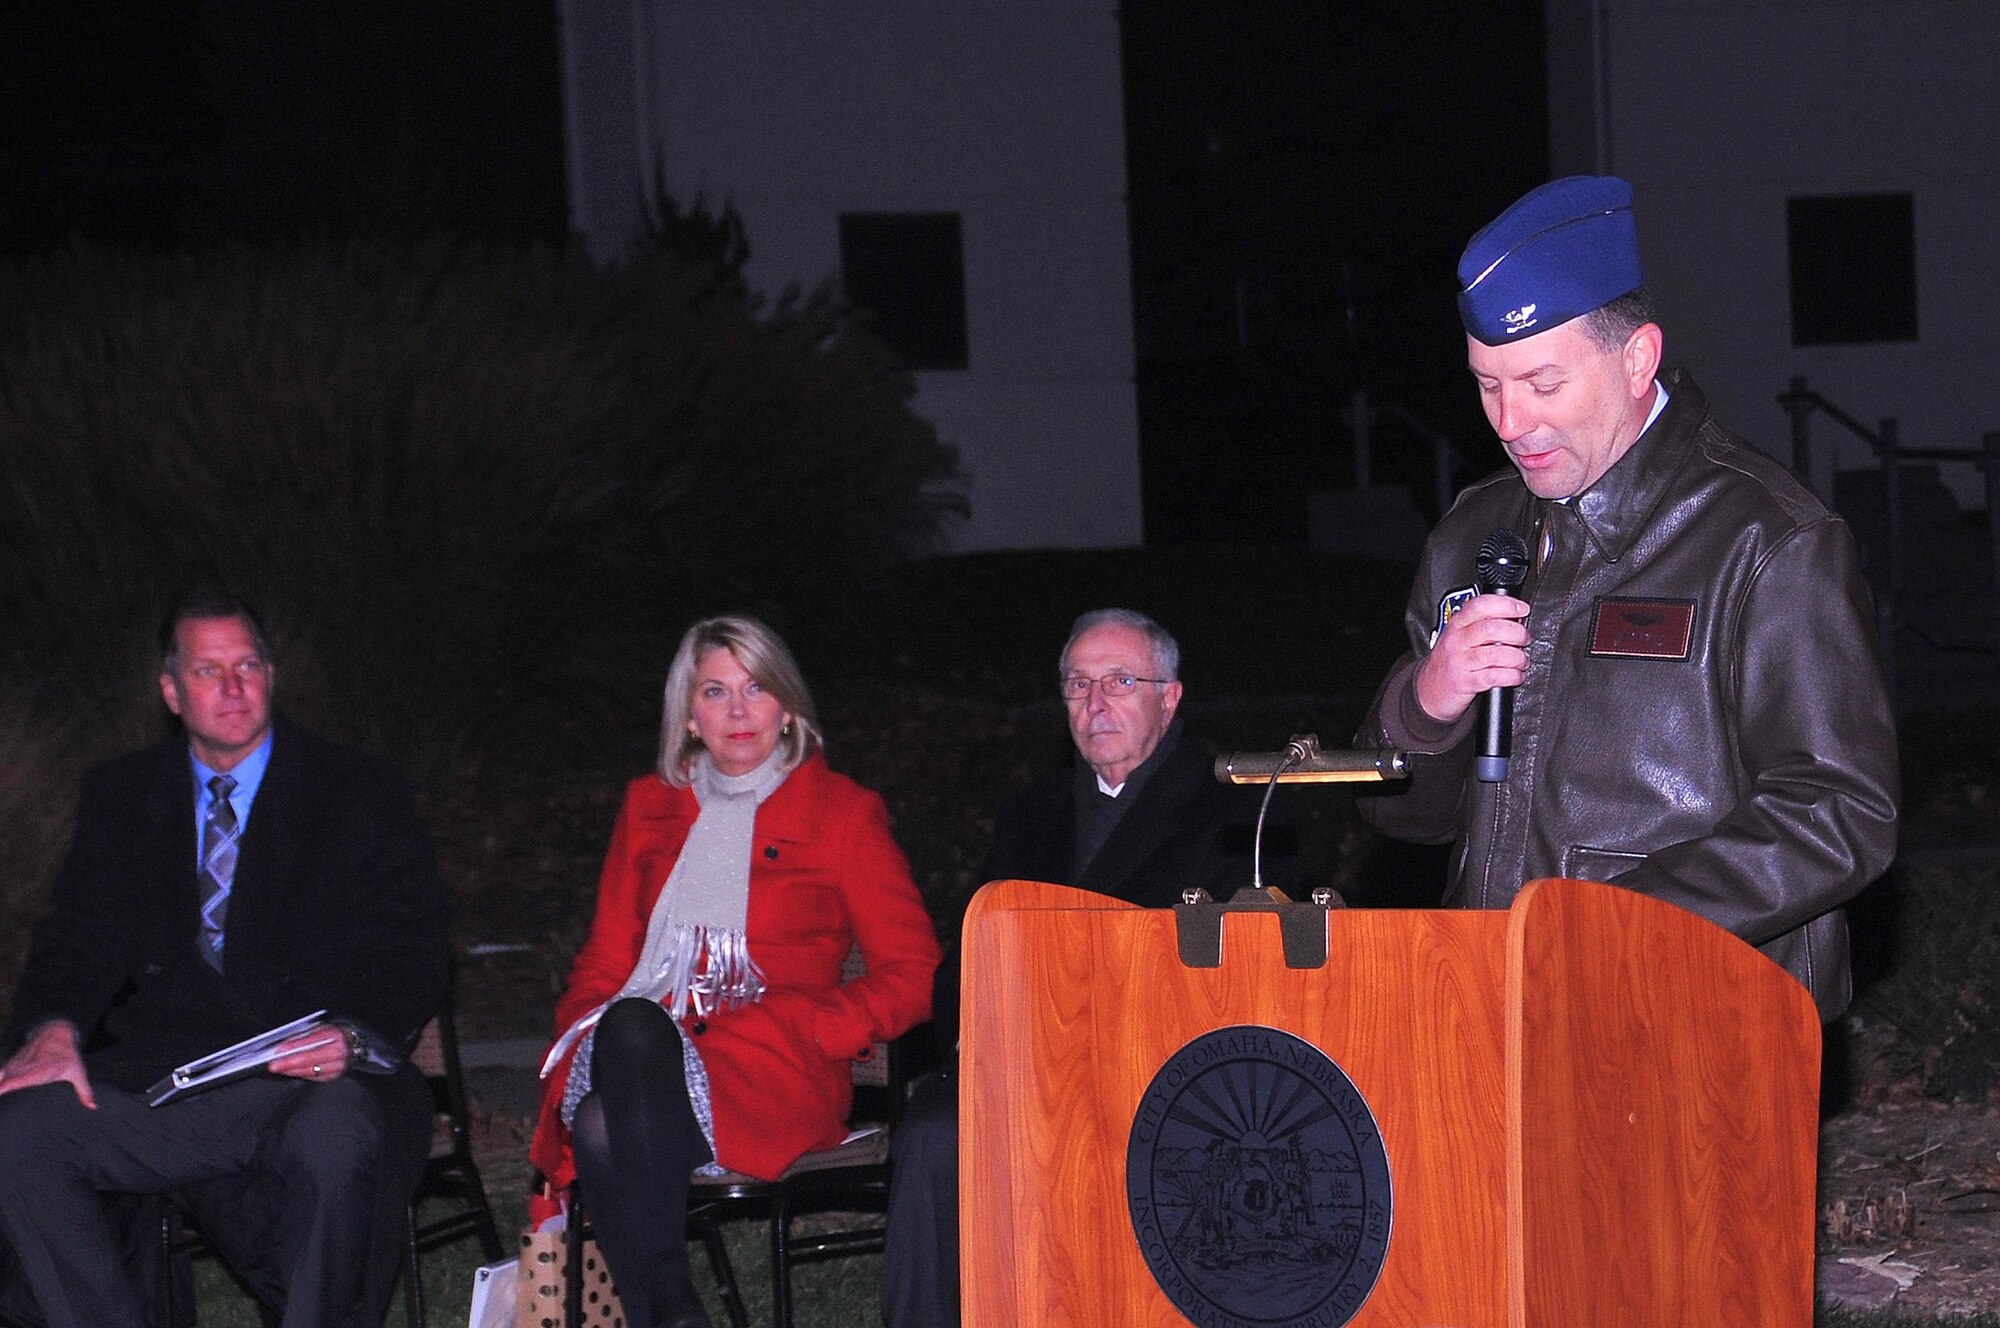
point(852, 1178)
point(450, 1173)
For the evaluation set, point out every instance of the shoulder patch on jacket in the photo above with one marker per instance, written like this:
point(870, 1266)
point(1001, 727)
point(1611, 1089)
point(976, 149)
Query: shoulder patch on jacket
point(1452, 602)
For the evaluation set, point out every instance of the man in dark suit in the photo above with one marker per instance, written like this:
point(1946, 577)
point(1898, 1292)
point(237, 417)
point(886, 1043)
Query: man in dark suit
point(217, 887)
point(1140, 817)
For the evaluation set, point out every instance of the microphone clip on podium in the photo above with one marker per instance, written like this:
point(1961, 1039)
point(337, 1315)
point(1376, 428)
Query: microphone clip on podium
point(1198, 923)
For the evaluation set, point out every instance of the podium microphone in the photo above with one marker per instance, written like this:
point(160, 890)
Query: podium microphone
point(1502, 565)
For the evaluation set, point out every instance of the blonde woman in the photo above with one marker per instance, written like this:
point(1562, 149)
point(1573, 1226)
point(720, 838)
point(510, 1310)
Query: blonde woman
point(705, 1020)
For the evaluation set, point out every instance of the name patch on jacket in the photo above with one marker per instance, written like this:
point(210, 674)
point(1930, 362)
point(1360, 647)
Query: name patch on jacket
point(1450, 604)
point(1642, 628)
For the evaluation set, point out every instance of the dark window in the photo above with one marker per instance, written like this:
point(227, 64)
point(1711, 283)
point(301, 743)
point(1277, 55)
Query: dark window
point(908, 270)
point(1854, 268)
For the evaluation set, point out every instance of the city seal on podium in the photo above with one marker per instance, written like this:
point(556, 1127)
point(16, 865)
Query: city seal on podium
point(1258, 1183)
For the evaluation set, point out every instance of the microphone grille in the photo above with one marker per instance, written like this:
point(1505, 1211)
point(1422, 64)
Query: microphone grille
point(1502, 563)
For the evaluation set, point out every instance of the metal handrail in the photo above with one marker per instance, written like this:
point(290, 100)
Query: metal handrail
point(1814, 465)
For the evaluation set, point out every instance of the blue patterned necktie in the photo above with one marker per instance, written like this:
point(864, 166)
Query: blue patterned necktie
point(218, 867)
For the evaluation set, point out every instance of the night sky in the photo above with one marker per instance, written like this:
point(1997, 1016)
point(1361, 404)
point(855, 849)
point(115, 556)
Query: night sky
point(1302, 178)
point(177, 123)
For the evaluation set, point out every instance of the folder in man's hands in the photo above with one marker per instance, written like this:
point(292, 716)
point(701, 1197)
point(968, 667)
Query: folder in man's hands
point(220, 1067)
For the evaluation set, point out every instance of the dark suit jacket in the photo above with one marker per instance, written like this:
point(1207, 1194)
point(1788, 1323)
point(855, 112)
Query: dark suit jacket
point(335, 904)
point(1186, 830)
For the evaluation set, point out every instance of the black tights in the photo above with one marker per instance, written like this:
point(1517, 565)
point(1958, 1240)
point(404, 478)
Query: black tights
point(636, 1142)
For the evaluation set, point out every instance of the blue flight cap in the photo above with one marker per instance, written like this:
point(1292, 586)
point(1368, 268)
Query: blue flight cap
point(1560, 251)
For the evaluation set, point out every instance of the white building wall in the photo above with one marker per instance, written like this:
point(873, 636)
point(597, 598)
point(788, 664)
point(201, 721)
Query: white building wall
point(1007, 112)
point(1718, 111)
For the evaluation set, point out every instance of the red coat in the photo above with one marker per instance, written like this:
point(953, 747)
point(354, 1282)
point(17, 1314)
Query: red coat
point(824, 875)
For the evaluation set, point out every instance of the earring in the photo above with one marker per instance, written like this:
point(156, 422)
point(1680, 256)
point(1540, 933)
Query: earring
point(786, 731)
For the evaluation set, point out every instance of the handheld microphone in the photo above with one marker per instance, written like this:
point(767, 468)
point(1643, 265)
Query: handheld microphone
point(1502, 565)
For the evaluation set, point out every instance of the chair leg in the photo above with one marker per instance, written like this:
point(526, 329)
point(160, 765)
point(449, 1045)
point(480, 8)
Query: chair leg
point(413, 1271)
point(482, 1213)
point(781, 1258)
point(489, 1234)
point(167, 1303)
point(573, 1267)
point(710, 1232)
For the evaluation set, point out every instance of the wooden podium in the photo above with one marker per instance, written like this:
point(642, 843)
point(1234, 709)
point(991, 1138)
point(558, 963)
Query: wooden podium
point(1598, 1110)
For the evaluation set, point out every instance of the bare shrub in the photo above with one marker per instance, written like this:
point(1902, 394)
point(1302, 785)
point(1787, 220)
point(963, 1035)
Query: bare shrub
point(453, 477)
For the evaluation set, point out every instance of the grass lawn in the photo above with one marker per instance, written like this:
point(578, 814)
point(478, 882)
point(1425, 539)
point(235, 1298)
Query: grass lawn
point(834, 1294)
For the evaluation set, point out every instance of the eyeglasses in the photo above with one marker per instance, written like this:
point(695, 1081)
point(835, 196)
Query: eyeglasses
point(1111, 684)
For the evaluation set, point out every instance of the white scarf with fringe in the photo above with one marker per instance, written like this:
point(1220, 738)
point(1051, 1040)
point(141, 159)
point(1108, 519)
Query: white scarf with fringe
point(697, 954)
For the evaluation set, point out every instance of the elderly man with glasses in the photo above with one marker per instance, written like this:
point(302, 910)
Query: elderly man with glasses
point(1140, 817)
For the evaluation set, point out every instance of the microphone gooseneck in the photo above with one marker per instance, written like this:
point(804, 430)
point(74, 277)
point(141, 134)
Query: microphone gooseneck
point(1297, 750)
point(1502, 567)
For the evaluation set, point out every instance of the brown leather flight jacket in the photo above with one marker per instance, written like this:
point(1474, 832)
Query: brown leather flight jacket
point(1703, 718)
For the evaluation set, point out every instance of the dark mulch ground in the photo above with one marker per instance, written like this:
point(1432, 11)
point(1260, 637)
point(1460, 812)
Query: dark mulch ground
point(1910, 1206)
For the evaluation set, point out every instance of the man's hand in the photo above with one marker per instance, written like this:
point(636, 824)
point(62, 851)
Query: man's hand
point(319, 1055)
point(49, 1056)
point(1482, 647)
